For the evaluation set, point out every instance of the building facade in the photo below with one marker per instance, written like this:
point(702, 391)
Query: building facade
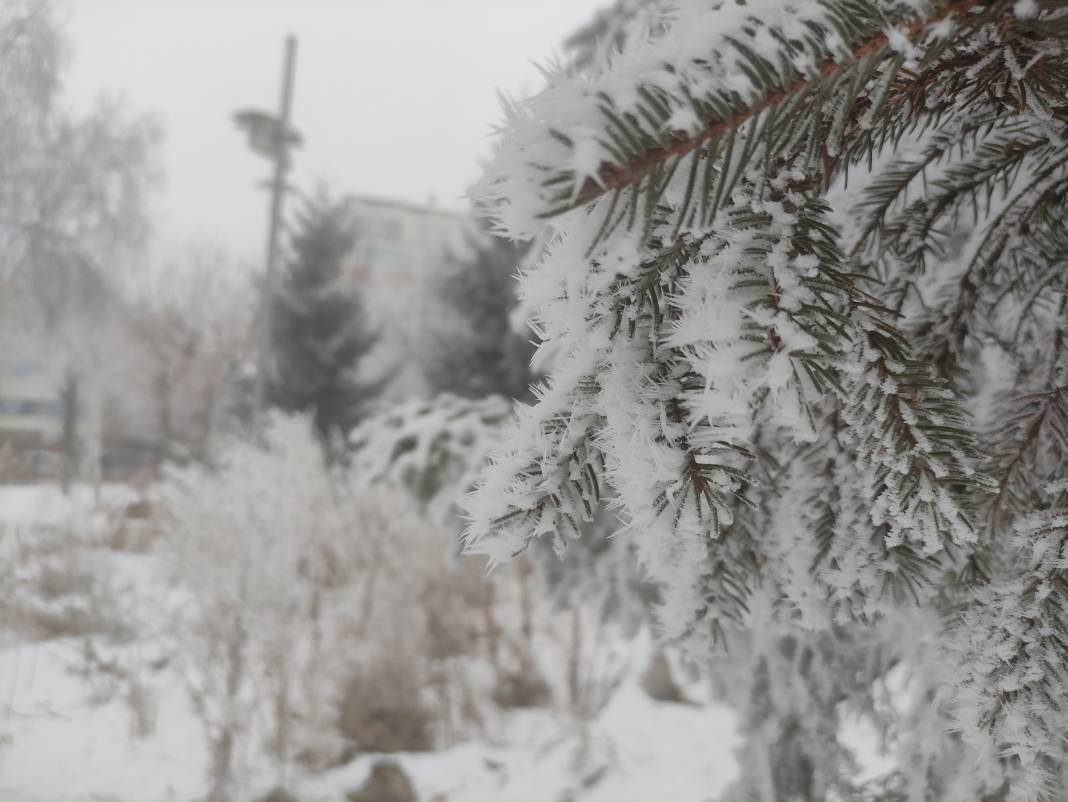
point(401, 249)
point(45, 420)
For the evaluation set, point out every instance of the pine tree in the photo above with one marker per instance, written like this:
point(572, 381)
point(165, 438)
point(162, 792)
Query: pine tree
point(484, 355)
point(319, 326)
point(609, 31)
point(806, 284)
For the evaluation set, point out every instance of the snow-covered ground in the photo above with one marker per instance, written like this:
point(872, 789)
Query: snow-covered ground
point(68, 735)
point(64, 744)
point(638, 750)
point(85, 507)
point(61, 745)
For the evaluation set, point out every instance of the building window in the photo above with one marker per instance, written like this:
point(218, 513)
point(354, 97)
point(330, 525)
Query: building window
point(379, 228)
point(21, 407)
point(22, 368)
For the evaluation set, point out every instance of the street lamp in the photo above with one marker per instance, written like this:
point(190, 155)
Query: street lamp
point(271, 136)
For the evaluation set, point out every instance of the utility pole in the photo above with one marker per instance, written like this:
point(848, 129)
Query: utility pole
point(278, 191)
point(271, 136)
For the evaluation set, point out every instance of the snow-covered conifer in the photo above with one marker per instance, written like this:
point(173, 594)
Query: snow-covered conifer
point(433, 449)
point(474, 350)
point(319, 326)
point(798, 255)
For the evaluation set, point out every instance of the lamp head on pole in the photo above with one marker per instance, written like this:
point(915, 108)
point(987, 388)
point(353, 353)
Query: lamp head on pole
point(265, 135)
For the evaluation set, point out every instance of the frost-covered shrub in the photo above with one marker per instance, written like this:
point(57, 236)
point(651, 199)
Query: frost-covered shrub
point(317, 612)
point(258, 549)
point(432, 448)
point(70, 595)
point(383, 709)
point(56, 583)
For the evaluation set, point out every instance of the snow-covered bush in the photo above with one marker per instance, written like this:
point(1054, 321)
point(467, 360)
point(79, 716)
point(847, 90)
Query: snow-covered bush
point(436, 450)
point(56, 581)
point(310, 607)
point(433, 448)
point(62, 582)
point(795, 252)
point(257, 548)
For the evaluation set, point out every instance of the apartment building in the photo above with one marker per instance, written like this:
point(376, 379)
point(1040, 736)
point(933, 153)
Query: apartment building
point(400, 249)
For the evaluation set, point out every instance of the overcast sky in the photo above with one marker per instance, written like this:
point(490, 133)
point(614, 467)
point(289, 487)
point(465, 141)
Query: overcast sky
point(394, 97)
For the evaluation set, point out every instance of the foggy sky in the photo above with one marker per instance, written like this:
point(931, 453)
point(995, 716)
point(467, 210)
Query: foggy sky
point(394, 97)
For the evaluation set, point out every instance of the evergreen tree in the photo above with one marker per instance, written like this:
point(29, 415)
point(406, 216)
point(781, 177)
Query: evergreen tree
point(484, 355)
point(805, 281)
point(319, 326)
point(608, 32)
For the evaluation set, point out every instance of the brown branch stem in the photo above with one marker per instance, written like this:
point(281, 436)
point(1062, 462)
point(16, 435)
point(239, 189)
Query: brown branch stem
point(613, 176)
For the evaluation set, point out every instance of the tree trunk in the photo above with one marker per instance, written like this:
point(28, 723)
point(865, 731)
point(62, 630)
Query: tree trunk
point(574, 664)
point(70, 439)
point(165, 419)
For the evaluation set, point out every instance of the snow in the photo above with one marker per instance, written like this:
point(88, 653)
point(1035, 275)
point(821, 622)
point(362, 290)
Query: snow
point(1025, 9)
point(67, 736)
point(85, 507)
point(691, 755)
point(50, 719)
point(61, 746)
